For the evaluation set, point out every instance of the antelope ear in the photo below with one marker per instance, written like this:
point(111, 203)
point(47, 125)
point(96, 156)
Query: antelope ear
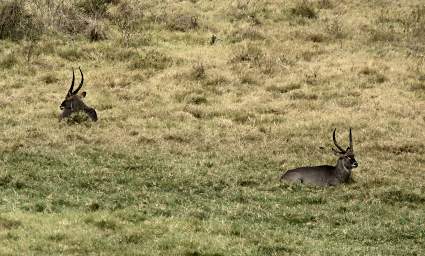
point(83, 94)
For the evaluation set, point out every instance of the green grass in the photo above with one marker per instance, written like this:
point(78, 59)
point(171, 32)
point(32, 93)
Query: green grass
point(191, 138)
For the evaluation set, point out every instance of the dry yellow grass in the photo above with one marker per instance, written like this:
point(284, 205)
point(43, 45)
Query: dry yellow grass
point(192, 137)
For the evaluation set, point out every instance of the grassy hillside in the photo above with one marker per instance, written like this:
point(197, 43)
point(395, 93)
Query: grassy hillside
point(193, 134)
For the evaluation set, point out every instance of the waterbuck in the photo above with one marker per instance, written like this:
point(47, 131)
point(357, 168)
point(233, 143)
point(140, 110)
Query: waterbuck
point(326, 175)
point(73, 101)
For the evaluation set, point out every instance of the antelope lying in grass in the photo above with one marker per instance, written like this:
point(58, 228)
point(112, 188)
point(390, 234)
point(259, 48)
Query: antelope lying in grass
point(326, 175)
point(73, 102)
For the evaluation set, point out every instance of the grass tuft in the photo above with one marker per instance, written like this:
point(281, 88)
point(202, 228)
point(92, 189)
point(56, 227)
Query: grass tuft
point(304, 9)
point(198, 71)
point(9, 61)
point(17, 23)
point(398, 196)
point(283, 88)
point(96, 31)
point(182, 22)
point(151, 59)
point(6, 223)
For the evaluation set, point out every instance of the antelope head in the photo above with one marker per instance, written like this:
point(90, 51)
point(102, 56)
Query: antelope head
point(74, 101)
point(326, 175)
point(346, 157)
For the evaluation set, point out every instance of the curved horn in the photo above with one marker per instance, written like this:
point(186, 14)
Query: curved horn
point(336, 144)
point(72, 84)
point(81, 83)
point(351, 140)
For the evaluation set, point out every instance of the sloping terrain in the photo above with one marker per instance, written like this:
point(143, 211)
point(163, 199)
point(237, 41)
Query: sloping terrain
point(193, 132)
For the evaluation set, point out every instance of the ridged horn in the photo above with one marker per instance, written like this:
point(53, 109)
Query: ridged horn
point(336, 144)
point(350, 137)
point(72, 84)
point(81, 83)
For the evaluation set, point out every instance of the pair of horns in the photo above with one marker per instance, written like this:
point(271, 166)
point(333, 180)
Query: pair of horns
point(70, 92)
point(342, 151)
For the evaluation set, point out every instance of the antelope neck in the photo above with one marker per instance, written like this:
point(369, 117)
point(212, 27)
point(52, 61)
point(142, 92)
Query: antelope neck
point(344, 172)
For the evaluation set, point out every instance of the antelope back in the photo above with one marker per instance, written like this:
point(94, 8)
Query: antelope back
point(326, 175)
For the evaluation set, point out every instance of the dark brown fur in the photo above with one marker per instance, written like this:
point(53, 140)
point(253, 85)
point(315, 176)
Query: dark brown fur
point(74, 101)
point(326, 175)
